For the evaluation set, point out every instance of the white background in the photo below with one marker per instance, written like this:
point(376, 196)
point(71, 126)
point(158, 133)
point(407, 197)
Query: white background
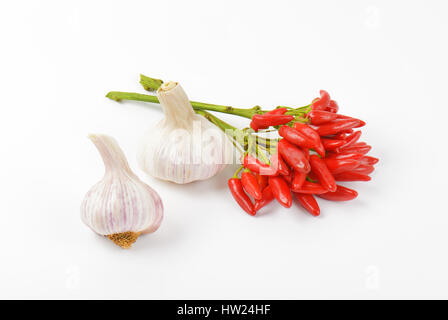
point(383, 61)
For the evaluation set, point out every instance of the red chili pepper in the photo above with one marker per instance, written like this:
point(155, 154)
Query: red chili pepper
point(323, 102)
point(306, 152)
point(333, 106)
point(369, 160)
point(267, 120)
point(341, 194)
point(250, 184)
point(295, 137)
point(324, 175)
point(298, 180)
point(337, 126)
point(351, 176)
point(281, 191)
point(332, 144)
point(280, 165)
point(308, 202)
point(262, 181)
point(320, 117)
point(236, 188)
point(362, 149)
point(288, 178)
point(293, 156)
point(310, 188)
point(353, 156)
point(351, 140)
point(343, 135)
point(277, 111)
point(254, 126)
point(255, 165)
point(309, 132)
point(341, 165)
point(266, 198)
point(364, 169)
point(361, 123)
point(312, 176)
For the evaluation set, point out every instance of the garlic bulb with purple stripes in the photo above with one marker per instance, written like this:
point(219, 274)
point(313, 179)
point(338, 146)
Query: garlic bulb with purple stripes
point(120, 206)
point(183, 147)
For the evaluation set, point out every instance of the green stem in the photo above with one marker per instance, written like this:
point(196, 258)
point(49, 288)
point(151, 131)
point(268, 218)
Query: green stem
point(119, 96)
point(236, 136)
point(267, 143)
point(254, 148)
point(150, 84)
point(235, 175)
point(260, 139)
point(224, 126)
point(246, 113)
point(260, 154)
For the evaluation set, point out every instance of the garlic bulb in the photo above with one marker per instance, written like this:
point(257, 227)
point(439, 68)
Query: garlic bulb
point(120, 206)
point(183, 147)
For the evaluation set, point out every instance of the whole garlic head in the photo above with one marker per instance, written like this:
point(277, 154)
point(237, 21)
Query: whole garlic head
point(183, 147)
point(120, 206)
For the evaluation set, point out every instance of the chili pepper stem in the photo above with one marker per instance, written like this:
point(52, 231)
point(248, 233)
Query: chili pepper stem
point(235, 175)
point(150, 84)
point(246, 113)
point(253, 146)
point(235, 135)
point(241, 112)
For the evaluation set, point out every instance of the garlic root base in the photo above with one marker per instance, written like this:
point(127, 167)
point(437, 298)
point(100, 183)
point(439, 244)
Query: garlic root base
point(124, 239)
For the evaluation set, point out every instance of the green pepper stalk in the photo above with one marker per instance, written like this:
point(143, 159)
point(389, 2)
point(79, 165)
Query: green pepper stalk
point(151, 84)
point(235, 175)
point(246, 113)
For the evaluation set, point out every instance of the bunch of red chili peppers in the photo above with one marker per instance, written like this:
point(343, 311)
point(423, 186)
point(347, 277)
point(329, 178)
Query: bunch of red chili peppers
point(316, 148)
point(313, 153)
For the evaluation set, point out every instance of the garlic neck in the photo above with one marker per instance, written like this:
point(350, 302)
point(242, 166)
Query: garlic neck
point(176, 105)
point(113, 157)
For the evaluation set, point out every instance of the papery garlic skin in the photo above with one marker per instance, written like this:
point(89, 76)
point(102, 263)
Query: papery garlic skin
point(120, 206)
point(183, 147)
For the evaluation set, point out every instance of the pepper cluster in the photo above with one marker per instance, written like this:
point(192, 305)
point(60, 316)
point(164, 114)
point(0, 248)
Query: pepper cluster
point(315, 151)
point(316, 147)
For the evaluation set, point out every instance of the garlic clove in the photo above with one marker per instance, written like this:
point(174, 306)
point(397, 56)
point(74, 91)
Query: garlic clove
point(183, 147)
point(120, 206)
